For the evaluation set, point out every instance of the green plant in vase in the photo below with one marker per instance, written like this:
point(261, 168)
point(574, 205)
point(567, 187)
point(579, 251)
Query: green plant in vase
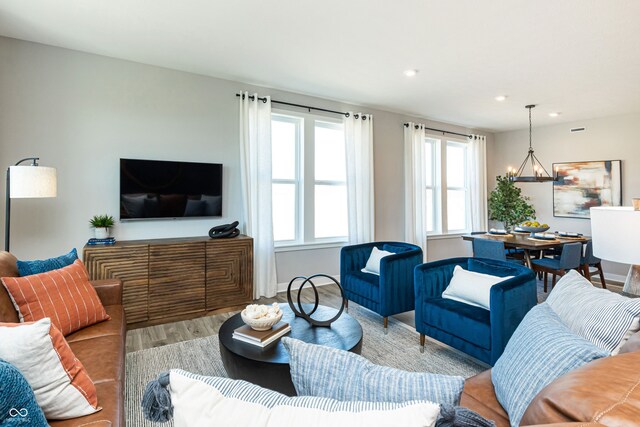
point(101, 225)
point(508, 205)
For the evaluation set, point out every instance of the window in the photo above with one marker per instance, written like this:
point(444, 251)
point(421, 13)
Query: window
point(447, 186)
point(309, 180)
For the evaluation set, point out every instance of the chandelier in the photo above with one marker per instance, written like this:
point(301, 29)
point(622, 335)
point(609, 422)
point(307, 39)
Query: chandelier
point(538, 172)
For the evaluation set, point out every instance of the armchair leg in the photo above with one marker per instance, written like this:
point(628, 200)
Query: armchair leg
point(386, 325)
point(422, 341)
point(346, 305)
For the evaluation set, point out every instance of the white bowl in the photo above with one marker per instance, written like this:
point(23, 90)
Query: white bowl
point(261, 324)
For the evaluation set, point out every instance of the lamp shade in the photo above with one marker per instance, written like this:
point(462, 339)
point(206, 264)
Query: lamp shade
point(32, 182)
point(616, 234)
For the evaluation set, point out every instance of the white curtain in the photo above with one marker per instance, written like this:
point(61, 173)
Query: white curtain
point(415, 218)
point(358, 130)
point(477, 167)
point(255, 171)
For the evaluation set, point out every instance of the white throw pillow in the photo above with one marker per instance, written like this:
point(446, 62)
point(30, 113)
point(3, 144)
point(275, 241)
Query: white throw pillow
point(59, 381)
point(472, 288)
point(373, 263)
point(201, 401)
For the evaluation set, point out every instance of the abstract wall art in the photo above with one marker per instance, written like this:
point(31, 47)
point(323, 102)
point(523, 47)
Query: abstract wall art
point(583, 185)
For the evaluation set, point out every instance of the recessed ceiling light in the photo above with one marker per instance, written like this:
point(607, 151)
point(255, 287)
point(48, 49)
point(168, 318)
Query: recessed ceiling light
point(554, 114)
point(410, 73)
point(501, 98)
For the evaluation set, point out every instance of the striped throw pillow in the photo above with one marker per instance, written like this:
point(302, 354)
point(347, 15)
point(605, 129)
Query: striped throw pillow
point(541, 349)
point(317, 370)
point(59, 381)
point(198, 400)
point(64, 295)
point(605, 318)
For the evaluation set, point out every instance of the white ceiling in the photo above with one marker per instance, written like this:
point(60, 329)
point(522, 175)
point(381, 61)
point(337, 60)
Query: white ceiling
point(580, 57)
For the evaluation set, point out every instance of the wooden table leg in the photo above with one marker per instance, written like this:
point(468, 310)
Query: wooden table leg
point(527, 258)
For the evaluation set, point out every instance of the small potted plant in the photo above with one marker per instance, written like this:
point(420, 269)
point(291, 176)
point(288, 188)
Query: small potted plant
point(101, 225)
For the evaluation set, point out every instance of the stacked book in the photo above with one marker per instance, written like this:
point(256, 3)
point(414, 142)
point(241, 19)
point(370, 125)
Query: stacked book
point(107, 241)
point(261, 338)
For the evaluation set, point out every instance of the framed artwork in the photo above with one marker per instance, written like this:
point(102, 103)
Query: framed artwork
point(583, 185)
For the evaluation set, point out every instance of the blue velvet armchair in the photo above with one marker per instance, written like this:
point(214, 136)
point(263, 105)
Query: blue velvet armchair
point(390, 293)
point(476, 331)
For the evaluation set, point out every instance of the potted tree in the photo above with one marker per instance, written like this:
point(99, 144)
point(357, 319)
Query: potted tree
point(101, 225)
point(508, 205)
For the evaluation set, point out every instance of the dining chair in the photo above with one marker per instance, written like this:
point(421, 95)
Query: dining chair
point(569, 260)
point(590, 260)
point(511, 254)
point(489, 249)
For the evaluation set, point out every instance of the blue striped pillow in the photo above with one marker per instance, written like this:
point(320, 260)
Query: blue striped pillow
point(541, 349)
point(199, 400)
point(605, 318)
point(28, 268)
point(321, 371)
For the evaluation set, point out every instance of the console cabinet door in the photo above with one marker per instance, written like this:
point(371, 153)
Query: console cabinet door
point(229, 272)
point(130, 264)
point(176, 279)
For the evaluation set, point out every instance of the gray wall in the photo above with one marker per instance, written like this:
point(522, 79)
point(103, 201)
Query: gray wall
point(81, 112)
point(609, 138)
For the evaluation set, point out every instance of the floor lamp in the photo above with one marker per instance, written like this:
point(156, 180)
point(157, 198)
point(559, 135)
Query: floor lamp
point(616, 237)
point(25, 182)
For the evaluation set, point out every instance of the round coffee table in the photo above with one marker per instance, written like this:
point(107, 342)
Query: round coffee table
point(269, 366)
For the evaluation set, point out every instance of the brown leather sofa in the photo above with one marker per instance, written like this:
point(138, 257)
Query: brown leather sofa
point(605, 392)
point(100, 348)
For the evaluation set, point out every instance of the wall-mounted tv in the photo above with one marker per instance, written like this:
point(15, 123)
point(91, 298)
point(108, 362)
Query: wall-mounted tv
point(153, 189)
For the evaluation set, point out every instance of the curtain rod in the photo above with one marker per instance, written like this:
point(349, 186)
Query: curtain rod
point(441, 130)
point(305, 106)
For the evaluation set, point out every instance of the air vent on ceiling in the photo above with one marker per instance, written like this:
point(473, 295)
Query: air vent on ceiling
point(577, 130)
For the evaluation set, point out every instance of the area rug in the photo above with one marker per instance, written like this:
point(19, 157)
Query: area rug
point(398, 349)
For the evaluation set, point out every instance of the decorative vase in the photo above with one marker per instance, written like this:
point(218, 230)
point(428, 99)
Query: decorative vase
point(101, 232)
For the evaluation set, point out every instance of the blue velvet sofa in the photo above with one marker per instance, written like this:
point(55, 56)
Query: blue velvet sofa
point(480, 333)
point(390, 293)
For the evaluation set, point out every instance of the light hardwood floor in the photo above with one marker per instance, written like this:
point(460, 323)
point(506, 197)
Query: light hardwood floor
point(169, 333)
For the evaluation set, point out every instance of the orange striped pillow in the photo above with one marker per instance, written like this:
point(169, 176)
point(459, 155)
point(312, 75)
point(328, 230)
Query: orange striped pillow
point(59, 381)
point(65, 295)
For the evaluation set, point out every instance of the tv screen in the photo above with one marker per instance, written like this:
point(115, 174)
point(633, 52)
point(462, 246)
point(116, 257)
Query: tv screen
point(151, 189)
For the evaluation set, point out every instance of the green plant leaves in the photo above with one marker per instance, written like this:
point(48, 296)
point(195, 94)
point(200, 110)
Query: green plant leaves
point(508, 205)
point(101, 221)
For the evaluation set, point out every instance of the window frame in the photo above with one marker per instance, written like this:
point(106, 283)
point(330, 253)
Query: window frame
point(441, 186)
point(306, 182)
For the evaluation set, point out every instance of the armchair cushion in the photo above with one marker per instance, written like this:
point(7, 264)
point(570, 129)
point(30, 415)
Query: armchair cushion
point(471, 288)
point(365, 285)
point(373, 263)
point(469, 323)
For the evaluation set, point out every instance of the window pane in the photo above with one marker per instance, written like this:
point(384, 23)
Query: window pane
point(330, 164)
point(430, 210)
point(331, 211)
point(428, 161)
point(284, 211)
point(456, 209)
point(283, 149)
point(456, 167)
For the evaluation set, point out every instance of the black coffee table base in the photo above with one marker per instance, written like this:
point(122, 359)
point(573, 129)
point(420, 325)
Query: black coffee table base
point(269, 367)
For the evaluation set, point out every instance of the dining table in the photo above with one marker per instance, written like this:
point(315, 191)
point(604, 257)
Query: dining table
point(529, 244)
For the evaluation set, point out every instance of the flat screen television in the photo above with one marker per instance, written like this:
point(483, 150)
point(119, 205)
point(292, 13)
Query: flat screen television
point(155, 189)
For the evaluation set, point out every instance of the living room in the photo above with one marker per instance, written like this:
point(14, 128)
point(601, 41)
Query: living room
point(85, 85)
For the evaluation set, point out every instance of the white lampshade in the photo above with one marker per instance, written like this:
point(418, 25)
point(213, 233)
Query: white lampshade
point(33, 181)
point(616, 234)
